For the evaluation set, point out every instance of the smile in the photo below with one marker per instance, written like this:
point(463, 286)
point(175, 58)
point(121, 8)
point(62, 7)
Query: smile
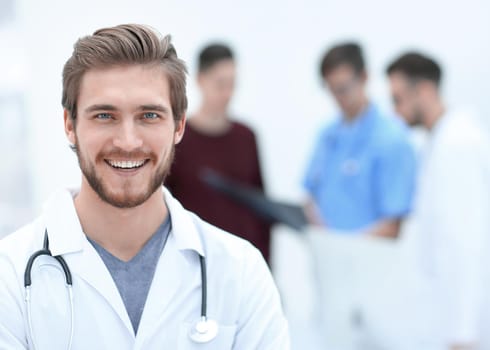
point(126, 164)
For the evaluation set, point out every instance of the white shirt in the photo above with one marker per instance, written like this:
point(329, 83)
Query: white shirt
point(242, 296)
point(452, 216)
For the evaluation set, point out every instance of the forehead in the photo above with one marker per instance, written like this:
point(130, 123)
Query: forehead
point(152, 73)
point(124, 84)
point(399, 81)
point(341, 72)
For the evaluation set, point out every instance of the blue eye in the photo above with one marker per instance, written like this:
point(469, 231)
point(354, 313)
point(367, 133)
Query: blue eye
point(150, 115)
point(104, 116)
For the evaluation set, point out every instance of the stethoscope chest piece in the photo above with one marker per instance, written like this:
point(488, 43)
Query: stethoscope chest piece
point(204, 330)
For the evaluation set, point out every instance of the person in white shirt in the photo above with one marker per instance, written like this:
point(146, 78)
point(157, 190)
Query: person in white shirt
point(452, 207)
point(119, 263)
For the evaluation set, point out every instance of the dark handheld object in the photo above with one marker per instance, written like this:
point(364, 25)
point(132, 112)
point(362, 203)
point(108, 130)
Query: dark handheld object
point(273, 211)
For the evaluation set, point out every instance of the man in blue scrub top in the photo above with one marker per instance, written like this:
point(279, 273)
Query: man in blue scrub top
point(361, 175)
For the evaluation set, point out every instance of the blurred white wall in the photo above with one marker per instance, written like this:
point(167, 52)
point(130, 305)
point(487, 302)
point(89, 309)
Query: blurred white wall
point(278, 43)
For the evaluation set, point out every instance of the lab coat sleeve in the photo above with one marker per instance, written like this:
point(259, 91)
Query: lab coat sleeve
point(262, 324)
point(12, 327)
point(461, 225)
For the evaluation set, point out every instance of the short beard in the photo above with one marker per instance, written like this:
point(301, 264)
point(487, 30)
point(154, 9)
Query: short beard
point(125, 201)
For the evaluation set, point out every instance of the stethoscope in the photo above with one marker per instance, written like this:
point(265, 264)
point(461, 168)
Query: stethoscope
point(203, 331)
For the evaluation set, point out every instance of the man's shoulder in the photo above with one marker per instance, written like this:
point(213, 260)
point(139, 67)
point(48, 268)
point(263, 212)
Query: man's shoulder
point(461, 138)
point(20, 235)
point(19, 245)
point(240, 129)
point(329, 129)
point(463, 127)
point(389, 123)
point(390, 130)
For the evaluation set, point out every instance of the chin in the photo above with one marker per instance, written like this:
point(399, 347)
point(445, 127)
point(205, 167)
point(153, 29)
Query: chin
point(127, 197)
point(126, 201)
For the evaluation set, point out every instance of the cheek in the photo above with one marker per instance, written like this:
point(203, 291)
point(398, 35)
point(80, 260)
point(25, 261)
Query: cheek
point(208, 88)
point(409, 108)
point(161, 143)
point(90, 144)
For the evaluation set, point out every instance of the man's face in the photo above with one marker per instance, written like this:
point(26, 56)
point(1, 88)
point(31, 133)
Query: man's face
point(125, 132)
point(347, 87)
point(405, 98)
point(217, 84)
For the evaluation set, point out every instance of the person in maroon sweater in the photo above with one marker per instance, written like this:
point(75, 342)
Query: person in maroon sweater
point(213, 141)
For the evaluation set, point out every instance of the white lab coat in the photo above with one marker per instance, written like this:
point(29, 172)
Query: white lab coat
point(452, 227)
point(242, 296)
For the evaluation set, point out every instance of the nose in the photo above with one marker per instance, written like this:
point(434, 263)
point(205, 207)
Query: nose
point(127, 136)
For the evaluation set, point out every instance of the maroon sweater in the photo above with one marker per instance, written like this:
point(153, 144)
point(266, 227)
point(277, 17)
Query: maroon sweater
point(233, 155)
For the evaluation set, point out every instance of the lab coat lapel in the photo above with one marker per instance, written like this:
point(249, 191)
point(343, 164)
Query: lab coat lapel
point(166, 288)
point(89, 266)
point(66, 238)
point(177, 272)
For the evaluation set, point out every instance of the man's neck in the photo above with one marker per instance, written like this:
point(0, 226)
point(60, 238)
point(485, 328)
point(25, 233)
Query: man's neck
point(122, 232)
point(210, 121)
point(352, 115)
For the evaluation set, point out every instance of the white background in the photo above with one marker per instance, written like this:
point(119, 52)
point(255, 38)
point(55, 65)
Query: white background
point(278, 45)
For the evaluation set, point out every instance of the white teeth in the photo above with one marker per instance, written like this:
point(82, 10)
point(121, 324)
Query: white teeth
point(126, 164)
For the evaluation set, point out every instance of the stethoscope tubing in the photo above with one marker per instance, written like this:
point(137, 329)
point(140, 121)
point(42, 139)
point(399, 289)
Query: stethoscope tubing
point(69, 286)
point(28, 284)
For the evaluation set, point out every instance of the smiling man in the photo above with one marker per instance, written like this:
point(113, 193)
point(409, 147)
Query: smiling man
point(118, 263)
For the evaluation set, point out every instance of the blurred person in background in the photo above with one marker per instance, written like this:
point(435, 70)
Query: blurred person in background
point(213, 140)
point(452, 207)
point(361, 174)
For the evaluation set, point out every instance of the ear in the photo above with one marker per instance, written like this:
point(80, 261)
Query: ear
point(179, 129)
point(69, 127)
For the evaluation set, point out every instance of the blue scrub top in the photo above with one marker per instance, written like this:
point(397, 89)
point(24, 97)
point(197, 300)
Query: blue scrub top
point(362, 171)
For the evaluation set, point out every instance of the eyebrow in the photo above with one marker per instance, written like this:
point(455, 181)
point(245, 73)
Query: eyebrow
point(107, 107)
point(99, 107)
point(156, 107)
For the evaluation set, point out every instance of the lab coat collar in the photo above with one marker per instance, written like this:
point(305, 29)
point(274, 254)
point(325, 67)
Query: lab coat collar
point(61, 222)
point(184, 228)
point(66, 234)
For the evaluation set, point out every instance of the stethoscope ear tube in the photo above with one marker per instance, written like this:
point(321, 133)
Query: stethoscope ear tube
point(28, 283)
point(46, 251)
point(30, 262)
point(65, 268)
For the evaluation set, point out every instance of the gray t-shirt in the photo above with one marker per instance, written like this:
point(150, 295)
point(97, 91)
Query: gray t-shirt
point(133, 278)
